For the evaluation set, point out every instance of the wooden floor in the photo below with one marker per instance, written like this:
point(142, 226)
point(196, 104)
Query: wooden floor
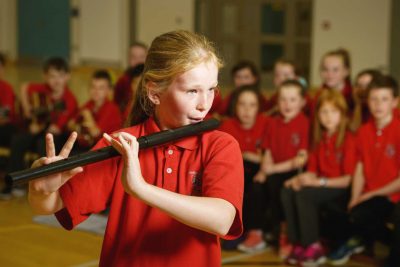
point(26, 244)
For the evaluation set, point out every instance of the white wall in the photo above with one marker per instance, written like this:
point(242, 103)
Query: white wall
point(361, 26)
point(102, 31)
point(8, 30)
point(155, 17)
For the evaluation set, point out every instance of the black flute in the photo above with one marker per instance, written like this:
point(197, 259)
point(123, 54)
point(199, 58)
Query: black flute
point(163, 137)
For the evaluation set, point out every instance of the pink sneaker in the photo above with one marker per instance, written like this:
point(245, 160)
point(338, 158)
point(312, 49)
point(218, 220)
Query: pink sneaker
point(296, 255)
point(285, 247)
point(314, 255)
point(253, 242)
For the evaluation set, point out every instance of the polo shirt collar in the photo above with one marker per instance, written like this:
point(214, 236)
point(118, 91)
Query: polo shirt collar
point(190, 143)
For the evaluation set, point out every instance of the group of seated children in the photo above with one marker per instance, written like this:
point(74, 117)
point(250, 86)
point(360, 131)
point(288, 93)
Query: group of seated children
point(324, 169)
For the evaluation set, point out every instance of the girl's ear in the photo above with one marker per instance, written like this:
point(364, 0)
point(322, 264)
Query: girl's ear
point(152, 93)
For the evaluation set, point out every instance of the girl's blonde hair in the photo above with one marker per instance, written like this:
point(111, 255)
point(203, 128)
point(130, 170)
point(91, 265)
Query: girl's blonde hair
point(170, 54)
point(336, 98)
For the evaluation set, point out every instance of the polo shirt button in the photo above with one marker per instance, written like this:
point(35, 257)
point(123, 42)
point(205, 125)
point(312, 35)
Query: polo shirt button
point(170, 152)
point(169, 170)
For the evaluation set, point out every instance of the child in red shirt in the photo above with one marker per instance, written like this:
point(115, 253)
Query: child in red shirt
point(376, 182)
point(283, 70)
point(330, 167)
point(285, 146)
point(97, 116)
point(7, 108)
point(169, 204)
point(248, 127)
point(243, 73)
point(47, 107)
point(335, 74)
point(123, 87)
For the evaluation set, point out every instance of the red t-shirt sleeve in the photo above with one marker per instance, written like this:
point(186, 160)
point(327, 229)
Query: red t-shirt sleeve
point(7, 99)
point(110, 119)
point(71, 107)
point(223, 176)
point(268, 133)
point(88, 192)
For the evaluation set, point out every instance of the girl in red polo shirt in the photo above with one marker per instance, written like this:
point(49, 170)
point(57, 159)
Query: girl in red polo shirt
point(335, 74)
point(330, 167)
point(169, 205)
point(248, 127)
point(285, 146)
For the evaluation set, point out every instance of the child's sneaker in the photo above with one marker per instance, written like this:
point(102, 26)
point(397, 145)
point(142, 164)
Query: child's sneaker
point(285, 247)
point(253, 242)
point(344, 252)
point(295, 256)
point(314, 255)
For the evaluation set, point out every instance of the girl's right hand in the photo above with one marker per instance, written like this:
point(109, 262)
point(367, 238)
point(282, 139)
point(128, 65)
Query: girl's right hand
point(50, 184)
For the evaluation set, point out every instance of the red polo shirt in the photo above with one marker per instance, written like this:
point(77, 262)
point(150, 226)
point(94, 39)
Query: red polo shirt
point(285, 139)
point(58, 117)
point(329, 161)
point(208, 165)
point(379, 152)
point(7, 100)
point(249, 139)
point(108, 117)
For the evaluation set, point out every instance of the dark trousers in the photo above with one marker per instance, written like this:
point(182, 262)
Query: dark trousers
point(274, 186)
point(369, 219)
point(254, 198)
point(302, 210)
point(394, 256)
point(6, 132)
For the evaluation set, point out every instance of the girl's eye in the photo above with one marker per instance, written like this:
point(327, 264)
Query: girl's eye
point(192, 91)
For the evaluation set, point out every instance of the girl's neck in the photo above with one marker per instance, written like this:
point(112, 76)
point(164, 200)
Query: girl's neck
point(382, 123)
point(331, 132)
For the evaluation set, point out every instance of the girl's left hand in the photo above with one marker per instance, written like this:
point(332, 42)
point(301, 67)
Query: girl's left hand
point(128, 147)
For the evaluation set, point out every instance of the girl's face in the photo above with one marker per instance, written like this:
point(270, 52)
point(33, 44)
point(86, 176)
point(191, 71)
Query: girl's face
point(333, 72)
point(247, 108)
point(188, 98)
point(381, 103)
point(329, 116)
point(283, 72)
point(290, 101)
point(244, 77)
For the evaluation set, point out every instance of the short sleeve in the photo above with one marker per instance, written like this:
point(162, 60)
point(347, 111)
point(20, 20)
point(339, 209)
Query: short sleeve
point(87, 192)
point(223, 177)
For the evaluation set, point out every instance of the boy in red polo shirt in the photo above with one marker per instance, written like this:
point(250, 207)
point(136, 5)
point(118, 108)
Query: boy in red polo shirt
point(47, 107)
point(376, 182)
point(248, 127)
point(97, 116)
point(7, 108)
point(169, 205)
point(285, 146)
